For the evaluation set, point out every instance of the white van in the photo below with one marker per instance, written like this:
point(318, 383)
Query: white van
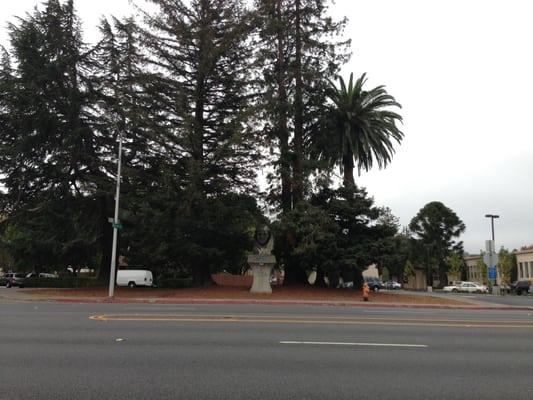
point(134, 277)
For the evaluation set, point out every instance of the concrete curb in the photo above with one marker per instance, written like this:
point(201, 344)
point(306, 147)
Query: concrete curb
point(99, 300)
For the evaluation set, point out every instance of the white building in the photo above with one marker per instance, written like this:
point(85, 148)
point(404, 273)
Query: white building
point(524, 261)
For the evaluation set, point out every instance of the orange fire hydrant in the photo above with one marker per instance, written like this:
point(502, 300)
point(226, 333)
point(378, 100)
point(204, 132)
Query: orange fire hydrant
point(366, 291)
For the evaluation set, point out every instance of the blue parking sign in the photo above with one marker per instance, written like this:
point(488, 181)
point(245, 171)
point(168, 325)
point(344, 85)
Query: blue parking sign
point(492, 273)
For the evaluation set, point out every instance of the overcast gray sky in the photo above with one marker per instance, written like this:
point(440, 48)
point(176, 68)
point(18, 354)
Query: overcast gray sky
point(462, 69)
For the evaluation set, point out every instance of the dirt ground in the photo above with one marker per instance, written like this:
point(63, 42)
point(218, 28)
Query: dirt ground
point(301, 293)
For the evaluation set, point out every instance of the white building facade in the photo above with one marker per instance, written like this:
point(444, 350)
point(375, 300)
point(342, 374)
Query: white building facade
point(524, 261)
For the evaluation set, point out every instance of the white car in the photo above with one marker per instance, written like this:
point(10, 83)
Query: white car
point(392, 285)
point(466, 287)
point(472, 287)
point(450, 288)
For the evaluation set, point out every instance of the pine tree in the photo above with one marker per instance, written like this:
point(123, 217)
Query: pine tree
point(300, 49)
point(49, 154)
point(125, 104)
point(202, 53)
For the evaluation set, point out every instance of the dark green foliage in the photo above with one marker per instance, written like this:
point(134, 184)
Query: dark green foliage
point(49, 149)
point(306, 239)
point(189, 92)
point(299, 49)
point(436, 228)
point(164, 233)
point(203, 53)
point(57, 233)
point(395, 253)
point(359, 128)
point(340, 231)
point(126, 103)
point(64, 282)
point(48, 152)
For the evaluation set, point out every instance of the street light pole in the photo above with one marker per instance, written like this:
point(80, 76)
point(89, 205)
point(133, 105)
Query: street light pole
point(492, 217)
point(492, 256)
point(115, 220)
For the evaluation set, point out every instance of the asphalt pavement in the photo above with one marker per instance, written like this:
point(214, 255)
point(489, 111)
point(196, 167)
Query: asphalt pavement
point(142, 351)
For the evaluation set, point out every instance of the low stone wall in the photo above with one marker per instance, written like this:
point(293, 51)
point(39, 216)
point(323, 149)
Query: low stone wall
point(233, 280)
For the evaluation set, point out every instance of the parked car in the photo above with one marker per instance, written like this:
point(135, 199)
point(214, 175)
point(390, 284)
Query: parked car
point(13, 279)
point(466, 287)
point(392, 285)
point(505, 288)
point(451, 288)
point(374, 283)
point(41, 275)
point(134, 277)
point(520, 287)
point(472, 287)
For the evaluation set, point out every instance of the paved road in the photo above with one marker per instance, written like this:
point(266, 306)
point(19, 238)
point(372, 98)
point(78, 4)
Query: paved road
point(508, 300)
point(55, 351)
point(525, 300)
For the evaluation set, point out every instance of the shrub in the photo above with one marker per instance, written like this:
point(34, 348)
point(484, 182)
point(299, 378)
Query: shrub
point(174, 282)
point(64, 282)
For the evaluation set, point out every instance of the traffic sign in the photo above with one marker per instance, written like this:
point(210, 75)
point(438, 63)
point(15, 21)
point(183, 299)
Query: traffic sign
point(492, 273)
point(490, 259)
point(117, 225)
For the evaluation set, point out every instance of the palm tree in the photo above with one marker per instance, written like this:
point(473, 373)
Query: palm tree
point(359, 128)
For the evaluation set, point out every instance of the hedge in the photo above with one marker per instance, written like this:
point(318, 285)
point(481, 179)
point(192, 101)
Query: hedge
point(64, 282)
point(174, 283)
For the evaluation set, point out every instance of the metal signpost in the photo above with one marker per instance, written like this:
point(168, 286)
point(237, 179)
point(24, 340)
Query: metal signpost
point(490, 258)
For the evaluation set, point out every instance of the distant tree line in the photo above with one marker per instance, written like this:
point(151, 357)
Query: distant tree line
point(206, 94)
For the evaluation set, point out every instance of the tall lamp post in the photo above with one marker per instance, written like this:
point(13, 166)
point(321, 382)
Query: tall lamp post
point(115, 222)
point(492, 259)
point(492, 218)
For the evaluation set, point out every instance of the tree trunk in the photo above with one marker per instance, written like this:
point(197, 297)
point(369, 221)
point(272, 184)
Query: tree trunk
point(298, 112)
point(201, 276)
point(283, 134)
point(348, 166)
point(197, 134)
point(319, 281)
point(294, 275)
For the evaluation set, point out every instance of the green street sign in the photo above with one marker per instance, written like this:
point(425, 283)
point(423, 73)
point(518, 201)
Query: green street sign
point(117, 225)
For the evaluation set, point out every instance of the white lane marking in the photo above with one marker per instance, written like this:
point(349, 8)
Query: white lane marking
point(355, 344)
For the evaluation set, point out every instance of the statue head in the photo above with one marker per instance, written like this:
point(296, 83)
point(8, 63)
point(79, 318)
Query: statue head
point(262, 235)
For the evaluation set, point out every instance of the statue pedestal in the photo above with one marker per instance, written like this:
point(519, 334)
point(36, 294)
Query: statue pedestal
point(261, 265)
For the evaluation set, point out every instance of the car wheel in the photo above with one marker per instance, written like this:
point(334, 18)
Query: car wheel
point(518, 292)
point(131, 284)
point(8, 284)
point(455, 291)
point(376, 289)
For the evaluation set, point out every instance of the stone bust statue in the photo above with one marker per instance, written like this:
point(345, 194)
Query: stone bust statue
point(263, 241)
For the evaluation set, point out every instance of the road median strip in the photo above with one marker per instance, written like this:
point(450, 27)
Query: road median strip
point(316, 320)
